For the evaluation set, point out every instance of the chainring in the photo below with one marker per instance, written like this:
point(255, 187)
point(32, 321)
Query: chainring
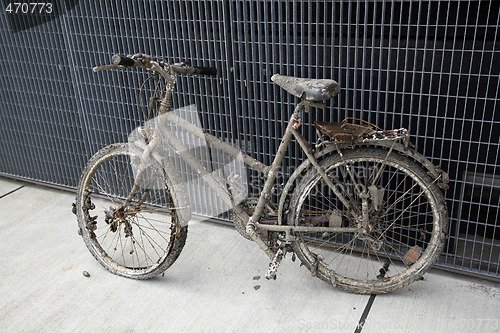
point(248, 205)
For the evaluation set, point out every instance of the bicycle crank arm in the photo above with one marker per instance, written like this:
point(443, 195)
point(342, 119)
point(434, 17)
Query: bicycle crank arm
point(273, 265)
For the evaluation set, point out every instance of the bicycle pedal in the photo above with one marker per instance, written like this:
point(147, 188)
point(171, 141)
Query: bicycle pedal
point(273, 265)
point(271, 272)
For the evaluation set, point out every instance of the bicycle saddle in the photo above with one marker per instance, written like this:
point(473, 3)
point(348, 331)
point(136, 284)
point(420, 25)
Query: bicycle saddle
point(315, 90)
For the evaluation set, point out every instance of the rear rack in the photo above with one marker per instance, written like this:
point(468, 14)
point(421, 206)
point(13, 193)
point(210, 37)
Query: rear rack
point(356, 133)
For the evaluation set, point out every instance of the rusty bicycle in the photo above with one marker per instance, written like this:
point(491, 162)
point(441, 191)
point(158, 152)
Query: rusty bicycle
point(364, 212)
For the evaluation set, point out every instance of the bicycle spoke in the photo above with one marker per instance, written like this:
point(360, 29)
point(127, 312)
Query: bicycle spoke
point(125, 174)
point(152, 227)
point(143, 248)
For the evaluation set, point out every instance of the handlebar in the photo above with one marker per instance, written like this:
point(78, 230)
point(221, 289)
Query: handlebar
point(210, 71)
point(144, 61)
point(123, 60)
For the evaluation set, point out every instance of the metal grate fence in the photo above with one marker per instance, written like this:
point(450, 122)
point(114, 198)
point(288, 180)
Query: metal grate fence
point(430, 66)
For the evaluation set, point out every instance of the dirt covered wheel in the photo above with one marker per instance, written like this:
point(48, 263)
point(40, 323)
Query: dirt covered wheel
point(400, 210)
point(126, 213)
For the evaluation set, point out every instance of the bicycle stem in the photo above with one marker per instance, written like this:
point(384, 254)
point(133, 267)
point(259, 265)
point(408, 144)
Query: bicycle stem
point(170, 78)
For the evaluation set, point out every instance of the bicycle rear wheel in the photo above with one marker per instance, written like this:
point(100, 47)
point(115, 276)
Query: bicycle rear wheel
point(139, 237)
point(406, 213)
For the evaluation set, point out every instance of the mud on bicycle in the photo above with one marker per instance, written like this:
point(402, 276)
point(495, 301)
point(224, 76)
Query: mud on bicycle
point(364, 212)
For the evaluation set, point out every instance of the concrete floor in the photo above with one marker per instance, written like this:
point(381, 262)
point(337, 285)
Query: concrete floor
point(213, 286)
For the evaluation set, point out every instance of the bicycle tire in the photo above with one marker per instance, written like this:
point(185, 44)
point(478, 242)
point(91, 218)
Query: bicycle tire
point(408, 221)
point(148, 232)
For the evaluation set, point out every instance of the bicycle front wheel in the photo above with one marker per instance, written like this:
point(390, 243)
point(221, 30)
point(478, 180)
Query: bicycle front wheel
point(399, 208)
point(126, 213)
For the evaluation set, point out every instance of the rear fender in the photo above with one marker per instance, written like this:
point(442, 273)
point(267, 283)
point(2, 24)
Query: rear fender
point(435, 172)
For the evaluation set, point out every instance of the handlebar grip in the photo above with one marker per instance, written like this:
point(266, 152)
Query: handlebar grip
point(123, 60)
point(205, 71)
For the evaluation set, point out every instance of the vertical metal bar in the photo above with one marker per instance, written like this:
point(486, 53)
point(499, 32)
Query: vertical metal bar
point(389, 57)
point(463, 123)
point(349, 68)
point(417, 69)
point(473, 50)
point(372, 58)
point(496, 152)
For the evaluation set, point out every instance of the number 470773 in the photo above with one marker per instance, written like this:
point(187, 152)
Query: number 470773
point(29, 8)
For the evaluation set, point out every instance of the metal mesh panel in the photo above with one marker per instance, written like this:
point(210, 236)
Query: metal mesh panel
point(430, 66)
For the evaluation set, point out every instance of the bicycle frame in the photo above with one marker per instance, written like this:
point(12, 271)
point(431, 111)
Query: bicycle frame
point(270, 172)
point(378, 199)
point(168, 72)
